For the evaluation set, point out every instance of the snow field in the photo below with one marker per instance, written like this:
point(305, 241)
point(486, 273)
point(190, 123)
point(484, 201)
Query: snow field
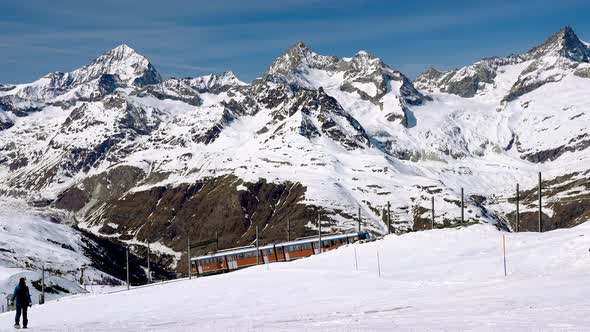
point(449, 279)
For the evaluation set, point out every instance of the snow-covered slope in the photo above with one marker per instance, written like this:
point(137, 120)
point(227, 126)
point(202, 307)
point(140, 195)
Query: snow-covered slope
point(458, 283)
point(140, 159)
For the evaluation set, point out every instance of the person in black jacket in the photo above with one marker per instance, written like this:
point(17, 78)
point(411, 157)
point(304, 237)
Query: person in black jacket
point(22, 299)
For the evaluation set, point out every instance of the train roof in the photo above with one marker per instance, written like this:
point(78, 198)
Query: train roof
point(242, 250)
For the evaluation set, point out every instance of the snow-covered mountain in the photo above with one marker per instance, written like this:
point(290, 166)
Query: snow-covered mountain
point(138, 158)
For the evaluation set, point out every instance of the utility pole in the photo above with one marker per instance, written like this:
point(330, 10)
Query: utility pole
point(540, 205)
point(388, 217)
point(127, 265)
point(149, 278)
point(188, 257)
point(257, 248)
point(359, 220)
point(432, 227)
point(288, 229)
point(517, 208)
point(462, 207)
point(320, 232)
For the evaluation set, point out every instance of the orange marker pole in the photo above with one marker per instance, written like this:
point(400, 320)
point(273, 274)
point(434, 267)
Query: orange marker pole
point(504, 251)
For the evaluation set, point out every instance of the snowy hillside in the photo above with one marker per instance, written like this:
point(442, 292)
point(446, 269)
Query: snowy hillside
point(133, 157)
point(457, 283)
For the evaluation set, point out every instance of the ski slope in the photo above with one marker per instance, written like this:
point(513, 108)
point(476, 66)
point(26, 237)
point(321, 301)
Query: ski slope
point(449, 279)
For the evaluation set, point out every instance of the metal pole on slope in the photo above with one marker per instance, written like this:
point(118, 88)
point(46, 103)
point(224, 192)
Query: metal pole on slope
point(188, 257)
point(127, 265)
point(149, 276)
point(517, 208)
point(42, 285)
point(257, 248)
point(359, 220)
point(540, 205)
point(388, 217)
point(320, 233)
point(504, 252)
point(432, 226)
point(462, 207)
point(288, 229)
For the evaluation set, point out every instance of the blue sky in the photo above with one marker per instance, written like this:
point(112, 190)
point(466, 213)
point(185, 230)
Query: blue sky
point(192, 38)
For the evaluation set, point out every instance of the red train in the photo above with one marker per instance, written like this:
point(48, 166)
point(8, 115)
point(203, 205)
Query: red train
point(237, 258)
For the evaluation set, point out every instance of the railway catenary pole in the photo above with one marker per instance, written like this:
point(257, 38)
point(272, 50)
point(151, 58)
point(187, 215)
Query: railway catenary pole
point(388, 217)
point(257, 248)
point(188, 257)
point(432, 226)
point(319, 233)
point(149, 276)
point(359, 220)
point(462, 207)
point(540, 205)
point(288, 229)
point(517, 208)
point(127, 265)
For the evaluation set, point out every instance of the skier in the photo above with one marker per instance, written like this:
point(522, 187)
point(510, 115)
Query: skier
point(23, 300)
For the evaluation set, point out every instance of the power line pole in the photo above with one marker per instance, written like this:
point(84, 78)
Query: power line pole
point(388, 217)
point(517, 208)
point(462, 207)
point(149, 278)
point(320, 232)
point(540, 205)
point(127, 265)
point(257, 248)
point(432, 226)
point(188, 257)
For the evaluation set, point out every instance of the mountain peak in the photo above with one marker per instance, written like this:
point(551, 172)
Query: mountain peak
point(565, 43)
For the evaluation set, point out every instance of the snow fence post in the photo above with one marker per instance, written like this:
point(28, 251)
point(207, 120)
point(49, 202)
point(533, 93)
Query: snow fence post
point(356, 263)
point(504, 252)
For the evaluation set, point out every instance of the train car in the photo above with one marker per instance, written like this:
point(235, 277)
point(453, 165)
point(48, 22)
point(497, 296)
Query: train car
point(237, 258)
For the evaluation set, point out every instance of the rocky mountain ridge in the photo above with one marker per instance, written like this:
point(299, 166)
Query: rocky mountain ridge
point(137, 158)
